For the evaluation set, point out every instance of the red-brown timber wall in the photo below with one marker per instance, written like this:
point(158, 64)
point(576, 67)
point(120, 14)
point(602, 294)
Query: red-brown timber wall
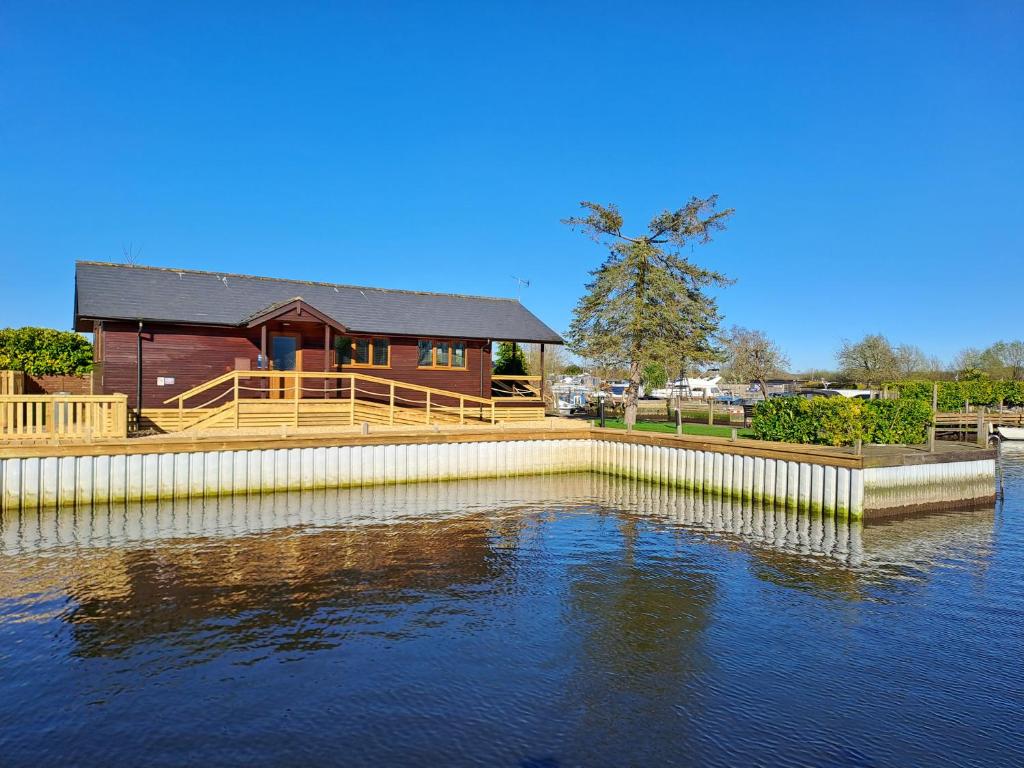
point(193, 355)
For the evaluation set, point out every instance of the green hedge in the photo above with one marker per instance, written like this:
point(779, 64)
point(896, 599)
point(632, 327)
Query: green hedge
point(954, 394)
point(842, 420)
point(44, 352)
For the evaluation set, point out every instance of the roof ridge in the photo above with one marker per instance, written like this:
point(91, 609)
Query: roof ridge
point(290, 280)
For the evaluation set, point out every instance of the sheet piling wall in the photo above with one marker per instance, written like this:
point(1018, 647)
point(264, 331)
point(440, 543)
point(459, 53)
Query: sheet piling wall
point(825, 483)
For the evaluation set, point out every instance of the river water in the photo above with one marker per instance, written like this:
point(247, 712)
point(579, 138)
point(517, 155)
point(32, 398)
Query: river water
point(551, 621)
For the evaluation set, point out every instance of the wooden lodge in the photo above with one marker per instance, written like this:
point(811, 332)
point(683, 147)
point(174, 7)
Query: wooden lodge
point(194, 349)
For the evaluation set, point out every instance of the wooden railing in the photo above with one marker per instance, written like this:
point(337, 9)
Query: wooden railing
point(246, 398)
point(12, 382)
point(41, 417)
point(518, 387)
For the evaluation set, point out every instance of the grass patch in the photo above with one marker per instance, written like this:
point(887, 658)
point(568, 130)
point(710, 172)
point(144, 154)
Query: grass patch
point(703, 430)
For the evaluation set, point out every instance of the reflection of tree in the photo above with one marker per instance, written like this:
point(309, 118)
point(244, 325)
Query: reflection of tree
point(240, 589)
point(639, 619)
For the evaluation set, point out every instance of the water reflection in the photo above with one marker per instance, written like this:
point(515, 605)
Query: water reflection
point(573, 619)
point(138, 570)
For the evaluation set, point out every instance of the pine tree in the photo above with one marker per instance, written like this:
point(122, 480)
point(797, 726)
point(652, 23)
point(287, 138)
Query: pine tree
point(646, 302)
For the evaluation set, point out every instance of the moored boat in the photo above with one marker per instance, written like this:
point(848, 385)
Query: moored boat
point(1011, 433)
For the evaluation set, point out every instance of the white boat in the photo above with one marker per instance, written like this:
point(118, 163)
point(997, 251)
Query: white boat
point(1011, 433)
point(696, 387)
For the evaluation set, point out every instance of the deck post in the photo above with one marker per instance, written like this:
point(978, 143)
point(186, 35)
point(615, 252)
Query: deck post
point(428, 407)
point(237, 406)
point(935, 398)
point(462, 410)
point(298, 383)
point(542, 373)
point(352, 396)
point(391, 405)
point(494, 419)
point(982, 435)
point(263, 358)
point(711, 412)
point(327, 356)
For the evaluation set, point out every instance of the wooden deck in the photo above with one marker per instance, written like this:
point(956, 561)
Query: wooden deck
point(242, 401)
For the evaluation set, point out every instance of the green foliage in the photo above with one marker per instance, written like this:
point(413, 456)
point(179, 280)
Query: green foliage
point(953, 395)
point(646, 302)
point(44, 351)
point(900, 421)
point(511, 360)
point(654, 376)
point(841, 420)
point(572, 370)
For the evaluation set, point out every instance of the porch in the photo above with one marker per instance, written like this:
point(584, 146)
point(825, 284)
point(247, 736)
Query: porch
point(246, 400)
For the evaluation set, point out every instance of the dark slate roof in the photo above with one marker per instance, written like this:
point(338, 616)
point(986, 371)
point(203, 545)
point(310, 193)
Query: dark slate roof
point(155, 294)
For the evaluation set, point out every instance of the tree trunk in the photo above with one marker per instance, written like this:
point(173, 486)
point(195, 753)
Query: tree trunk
point(764, 388)
point(632, 393)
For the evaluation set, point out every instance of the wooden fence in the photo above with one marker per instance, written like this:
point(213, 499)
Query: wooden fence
point(43, 417)
point(12, 382)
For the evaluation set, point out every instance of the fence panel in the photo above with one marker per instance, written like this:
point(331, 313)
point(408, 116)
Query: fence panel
point(41, 417)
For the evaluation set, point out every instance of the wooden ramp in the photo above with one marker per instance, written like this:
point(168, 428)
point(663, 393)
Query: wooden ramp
point(325, 401)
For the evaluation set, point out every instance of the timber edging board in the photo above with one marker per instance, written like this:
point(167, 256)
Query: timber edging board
point(873, 457)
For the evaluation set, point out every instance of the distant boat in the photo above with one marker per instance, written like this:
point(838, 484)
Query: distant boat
point(1011, 433)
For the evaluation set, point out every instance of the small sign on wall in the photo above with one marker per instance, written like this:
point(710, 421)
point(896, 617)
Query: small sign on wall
point(164, 381)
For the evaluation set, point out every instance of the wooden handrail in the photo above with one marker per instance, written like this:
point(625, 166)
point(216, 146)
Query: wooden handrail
point(62, 398)
point(510, 377)
point(203, 387)
point(304, 375)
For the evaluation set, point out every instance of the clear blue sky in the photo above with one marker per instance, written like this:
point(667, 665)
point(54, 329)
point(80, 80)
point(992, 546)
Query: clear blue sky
point(874, 152)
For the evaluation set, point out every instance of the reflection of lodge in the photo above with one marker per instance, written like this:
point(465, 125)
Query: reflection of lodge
point(276, 580)
point(145, 570)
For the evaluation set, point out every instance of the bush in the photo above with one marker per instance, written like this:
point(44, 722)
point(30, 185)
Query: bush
point(44, 352)
point(890, 422)
point(954, 394)
point(841, 420)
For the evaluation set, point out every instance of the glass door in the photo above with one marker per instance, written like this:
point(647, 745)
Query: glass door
point(285, 355)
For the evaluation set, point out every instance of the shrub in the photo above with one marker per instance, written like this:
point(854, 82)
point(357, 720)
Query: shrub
point(841, 420)
point(890, 422)
point(954, 394)
point(44, 351)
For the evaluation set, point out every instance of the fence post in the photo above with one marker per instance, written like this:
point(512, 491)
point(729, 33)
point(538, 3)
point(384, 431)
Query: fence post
point(982, 433)
point(462, 410)
point(391, 404)
point(859, 447)
point(679, 420)
point(931, 439)
point(428, 406)
point(711, 413)
point(297, 392)
point(352, 397)
point(494, 413)
point(935, 397)
point(733, 435)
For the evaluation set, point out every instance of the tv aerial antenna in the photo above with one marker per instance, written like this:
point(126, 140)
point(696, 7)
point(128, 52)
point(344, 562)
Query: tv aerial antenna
point(520, 284)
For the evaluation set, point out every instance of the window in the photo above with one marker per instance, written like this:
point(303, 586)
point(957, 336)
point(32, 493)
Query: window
point(363, 352)
point(425, 356)
point(439, 353)
point(381, 353)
